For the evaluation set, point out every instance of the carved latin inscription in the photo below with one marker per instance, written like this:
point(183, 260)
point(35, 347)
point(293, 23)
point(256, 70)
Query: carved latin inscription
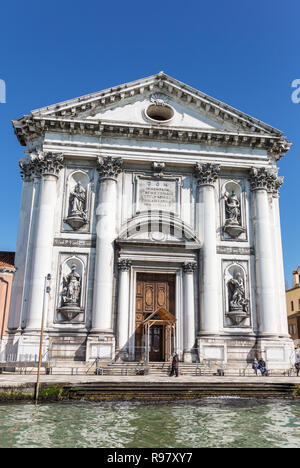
point(153, 194)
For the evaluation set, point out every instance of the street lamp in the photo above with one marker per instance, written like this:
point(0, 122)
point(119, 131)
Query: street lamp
point(47, 290)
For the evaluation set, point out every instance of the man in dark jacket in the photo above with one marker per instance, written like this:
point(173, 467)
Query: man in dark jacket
point(262, 367)
point(175, 365)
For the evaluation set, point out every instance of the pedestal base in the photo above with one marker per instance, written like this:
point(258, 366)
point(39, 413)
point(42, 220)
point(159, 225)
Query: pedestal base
point(236, 354)
point(100, 345)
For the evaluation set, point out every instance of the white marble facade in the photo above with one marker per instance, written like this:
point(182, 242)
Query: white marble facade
point(151, 176)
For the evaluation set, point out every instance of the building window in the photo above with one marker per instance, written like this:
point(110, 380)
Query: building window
point(292, 306)
point(299, 304)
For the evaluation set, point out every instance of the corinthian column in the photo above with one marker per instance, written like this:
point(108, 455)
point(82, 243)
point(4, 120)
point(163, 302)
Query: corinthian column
point(22, 245)
point(207, 175)
point(189, 310)
point(48, 166)
point(261, 181)
point(123, 304)
point(280, 287)
point(108, 169)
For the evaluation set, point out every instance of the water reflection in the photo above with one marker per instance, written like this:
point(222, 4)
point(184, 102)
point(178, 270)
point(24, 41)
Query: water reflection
point(205, 423)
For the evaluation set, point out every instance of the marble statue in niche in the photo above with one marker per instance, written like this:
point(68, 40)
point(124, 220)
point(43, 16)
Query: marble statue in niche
point(238, 304)
point(233, 208)
point(71, 289)
point(77, 215)
point(71, 294)
point(233, 222)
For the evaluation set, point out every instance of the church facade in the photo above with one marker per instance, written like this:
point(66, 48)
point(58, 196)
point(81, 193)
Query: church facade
point(150, 224)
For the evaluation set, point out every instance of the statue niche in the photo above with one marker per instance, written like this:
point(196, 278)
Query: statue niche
point(77, 212)
point(71, 294)
point(238, 303)
point(233, 220)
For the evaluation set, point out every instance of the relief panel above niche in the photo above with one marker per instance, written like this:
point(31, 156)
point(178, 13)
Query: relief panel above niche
point(157, 194)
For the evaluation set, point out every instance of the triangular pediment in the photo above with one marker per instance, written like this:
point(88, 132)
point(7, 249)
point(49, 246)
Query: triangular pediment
point(127, 104)
point(123, 112)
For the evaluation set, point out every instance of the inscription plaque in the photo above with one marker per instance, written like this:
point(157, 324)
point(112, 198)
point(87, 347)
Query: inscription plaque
point(153, 194)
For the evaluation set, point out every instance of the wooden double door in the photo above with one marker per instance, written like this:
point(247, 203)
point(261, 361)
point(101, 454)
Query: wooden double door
point(153, 291)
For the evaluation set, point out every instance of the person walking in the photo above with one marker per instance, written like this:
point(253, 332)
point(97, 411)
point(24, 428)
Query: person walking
point(175, 365)
point(297, 367)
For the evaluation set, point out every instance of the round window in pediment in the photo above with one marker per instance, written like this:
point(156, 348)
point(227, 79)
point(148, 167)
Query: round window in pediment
point(159, 113)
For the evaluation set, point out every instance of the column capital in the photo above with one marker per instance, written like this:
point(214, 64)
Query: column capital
point(41, 164)
point(189, 267)
point(124, 264)
point(109, 168)
point(264, 178)
point(206, 174)
point(27, 173)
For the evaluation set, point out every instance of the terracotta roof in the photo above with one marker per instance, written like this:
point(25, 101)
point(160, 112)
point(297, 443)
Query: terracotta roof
point(7, 259)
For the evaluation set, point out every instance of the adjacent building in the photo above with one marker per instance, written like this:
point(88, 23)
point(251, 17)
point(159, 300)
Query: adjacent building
point(151, 211)
point(293, 306)
point(7, 271)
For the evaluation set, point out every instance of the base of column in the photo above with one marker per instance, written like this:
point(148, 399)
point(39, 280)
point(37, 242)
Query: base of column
point(122, 355)
point(100, 344)
point(24, 346)
point(189, 357)
point(235, 354)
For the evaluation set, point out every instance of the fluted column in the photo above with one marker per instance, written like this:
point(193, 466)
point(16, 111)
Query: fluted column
point(106, 212)
point(48, 165)
point(280, 287)
point(22, 245)
point(207, 175)
point(261, 181)
point(123, 304)
point(189, 310)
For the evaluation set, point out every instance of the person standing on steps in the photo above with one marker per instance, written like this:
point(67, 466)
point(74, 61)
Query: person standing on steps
point(175, 365)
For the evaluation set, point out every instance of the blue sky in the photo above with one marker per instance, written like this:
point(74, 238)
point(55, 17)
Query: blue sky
point(243, 53)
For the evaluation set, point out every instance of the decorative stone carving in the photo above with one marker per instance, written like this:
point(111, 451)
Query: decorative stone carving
point(206, 174)
point(158, 168)
point(158, 99)
point(276, 185)
point(77, 216)
point(189, 267)
point(26, 169)
point(124, 264)
point(71, 294)
point(233, 223)
point(280, 148)
point(109, 168)
point(238, 304)
point(47, 163)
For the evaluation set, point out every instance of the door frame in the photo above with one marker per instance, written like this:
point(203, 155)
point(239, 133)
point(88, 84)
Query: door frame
point(164, 269)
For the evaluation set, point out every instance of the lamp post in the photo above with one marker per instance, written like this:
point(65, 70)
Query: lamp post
point(47, 290)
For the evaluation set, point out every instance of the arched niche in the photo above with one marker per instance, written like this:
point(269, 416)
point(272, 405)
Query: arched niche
point(77, 200)
point(233, 210)
point(71, 290)
point(237, 304)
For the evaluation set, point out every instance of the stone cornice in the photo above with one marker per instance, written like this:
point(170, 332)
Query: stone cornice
point(30, 128)
point(164, 83)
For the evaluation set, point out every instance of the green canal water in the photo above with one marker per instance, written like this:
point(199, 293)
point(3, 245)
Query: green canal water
point(206, 423)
